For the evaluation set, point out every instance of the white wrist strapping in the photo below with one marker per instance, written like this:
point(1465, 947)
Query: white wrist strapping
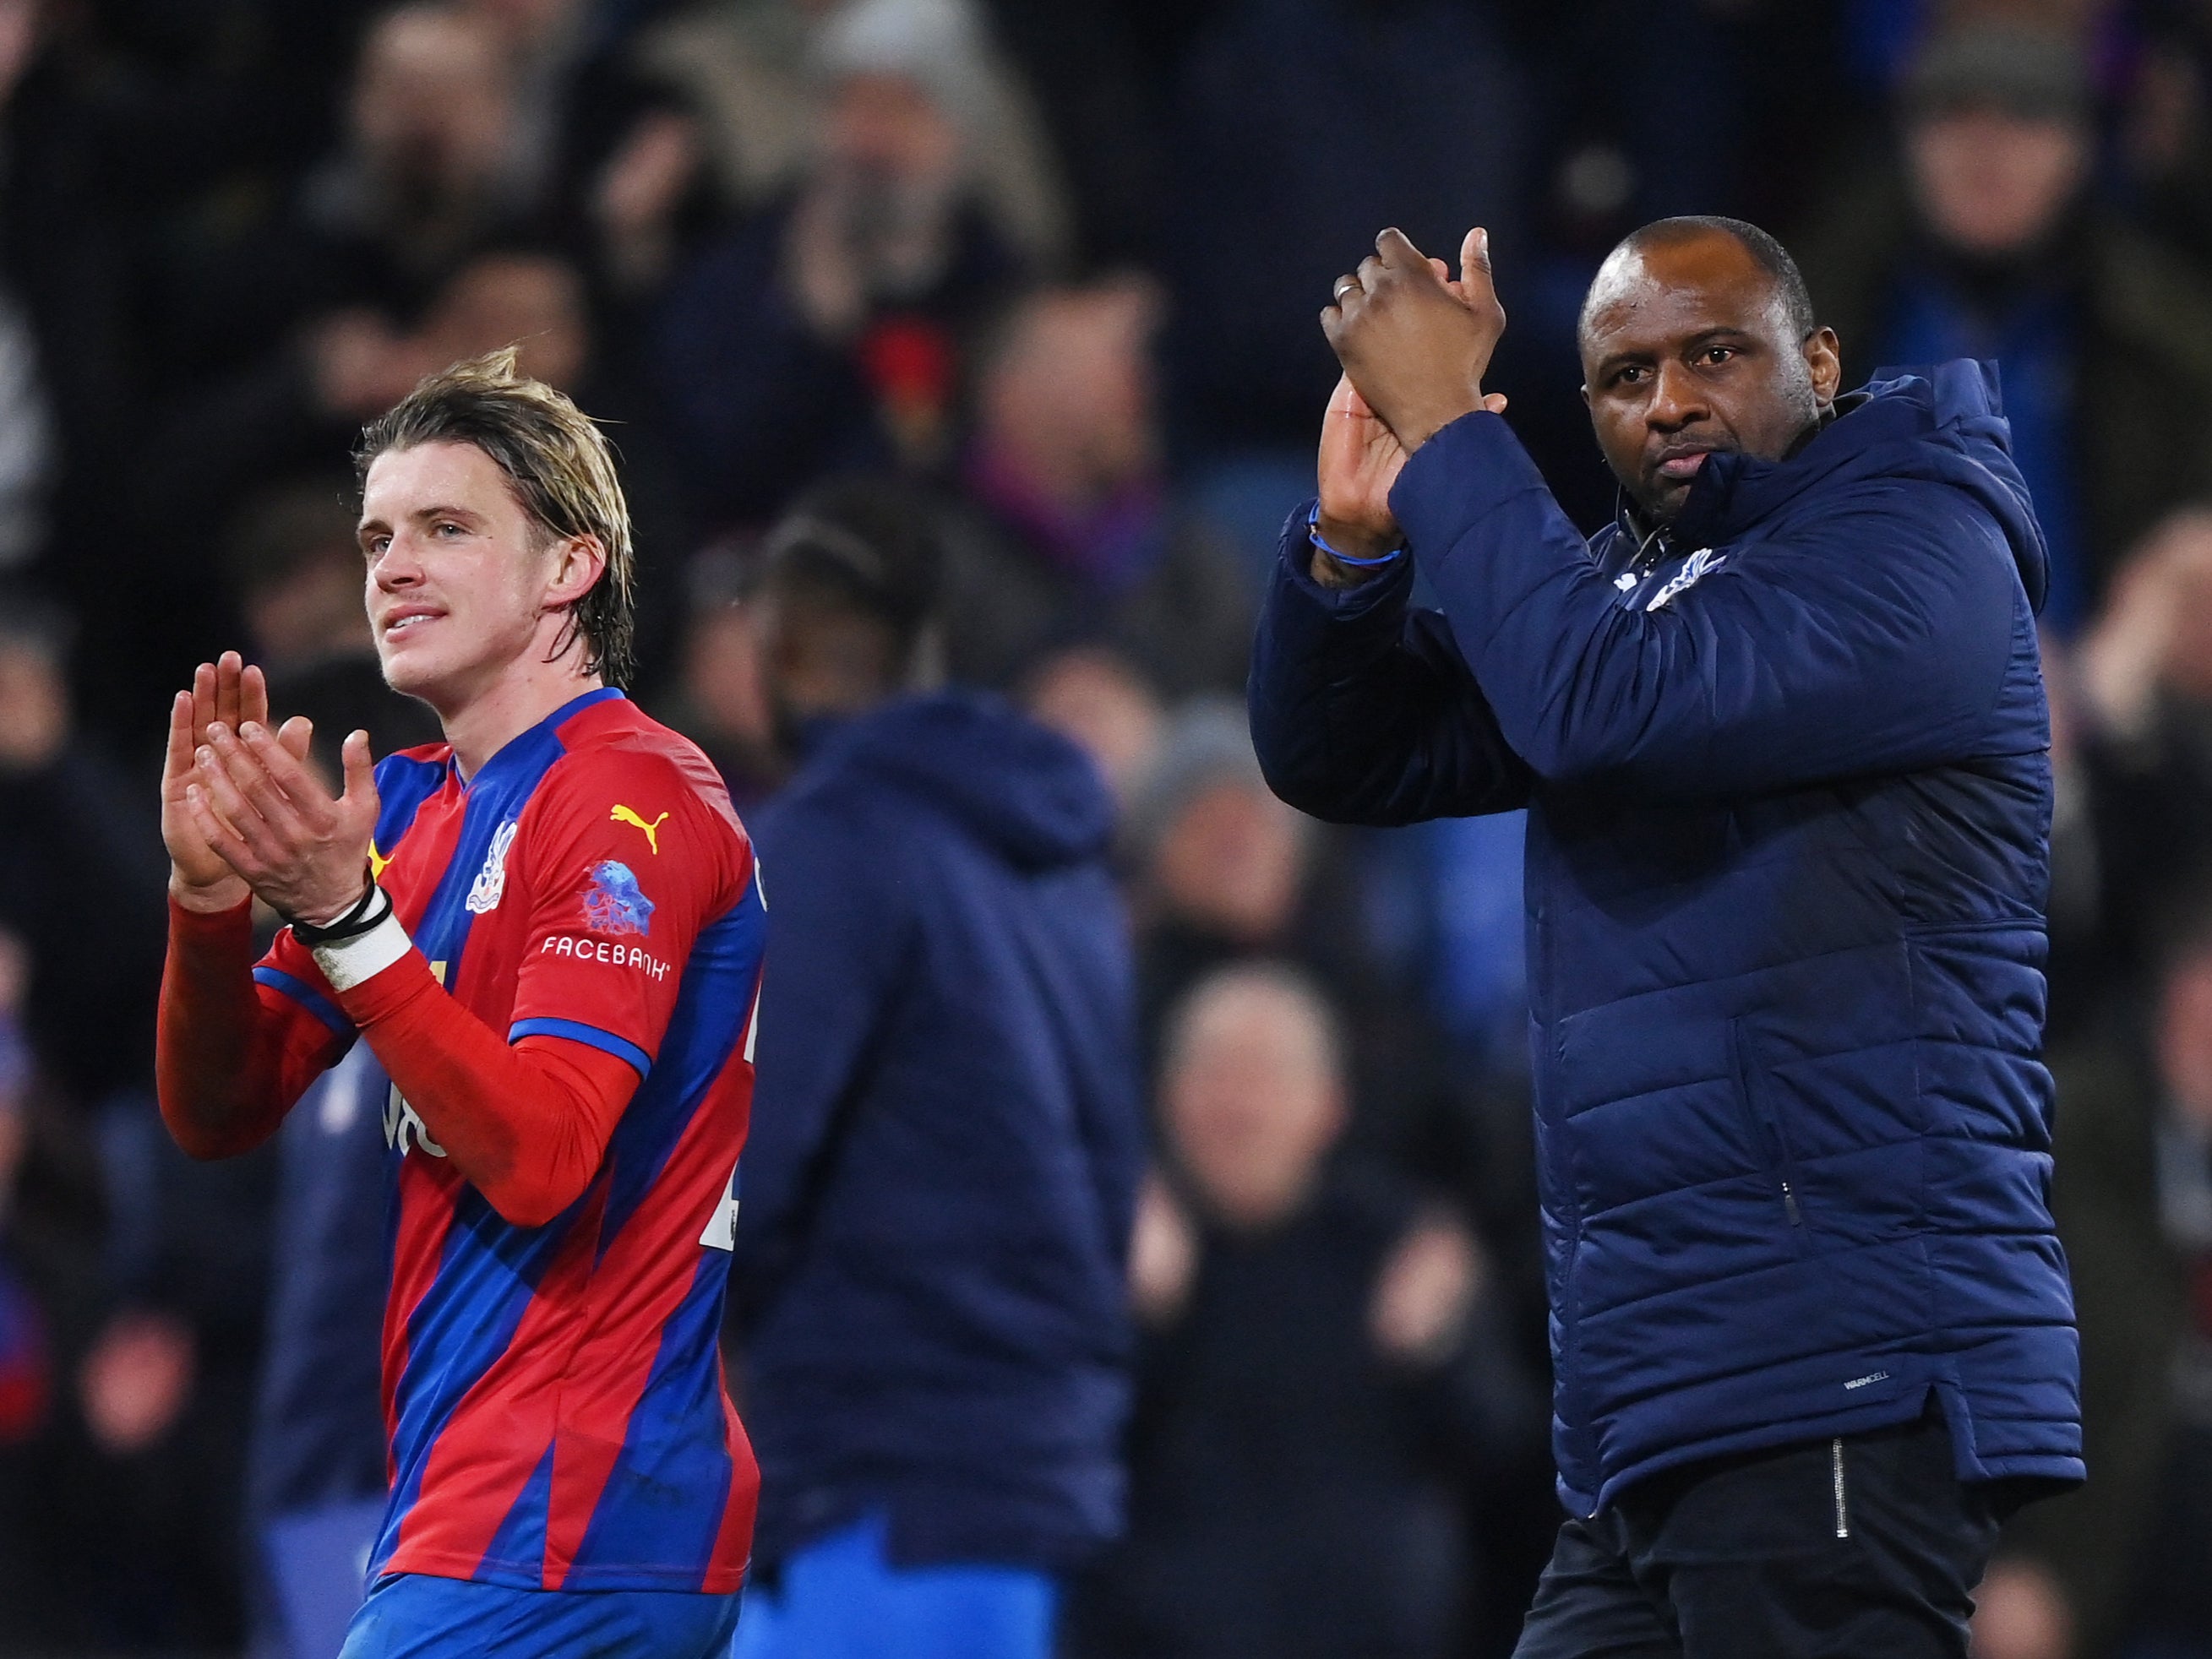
point(353, 961)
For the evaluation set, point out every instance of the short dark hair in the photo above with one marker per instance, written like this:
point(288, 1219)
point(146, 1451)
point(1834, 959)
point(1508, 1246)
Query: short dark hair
point(872, 546)
point(560, 467)
point(1768, 254)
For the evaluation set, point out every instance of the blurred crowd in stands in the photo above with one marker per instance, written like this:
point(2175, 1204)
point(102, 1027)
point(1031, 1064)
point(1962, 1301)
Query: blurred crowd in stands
point(1050, 269)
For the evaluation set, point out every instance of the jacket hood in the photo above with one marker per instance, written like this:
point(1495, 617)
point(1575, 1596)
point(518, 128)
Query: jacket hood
point(1944, 423)
point(1027, 792)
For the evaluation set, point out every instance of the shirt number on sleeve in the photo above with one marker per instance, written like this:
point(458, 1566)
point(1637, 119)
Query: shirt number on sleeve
point(721, 1232)
point(402, 1122)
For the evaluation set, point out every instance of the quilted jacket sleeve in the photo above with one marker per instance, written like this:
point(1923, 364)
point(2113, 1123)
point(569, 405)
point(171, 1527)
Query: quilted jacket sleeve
point(1876, 638)
point(1363, 711)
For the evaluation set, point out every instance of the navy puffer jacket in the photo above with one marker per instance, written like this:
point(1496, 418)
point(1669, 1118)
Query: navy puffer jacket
point(1790, 789)
point(947, 1133)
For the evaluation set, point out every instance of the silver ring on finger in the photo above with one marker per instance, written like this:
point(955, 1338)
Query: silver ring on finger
point(1345, 285)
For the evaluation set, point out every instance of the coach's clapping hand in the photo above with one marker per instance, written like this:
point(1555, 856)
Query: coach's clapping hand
point(241, 809)
point(1416, 343)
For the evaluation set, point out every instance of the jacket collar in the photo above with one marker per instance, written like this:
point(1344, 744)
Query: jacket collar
point(1732, 492)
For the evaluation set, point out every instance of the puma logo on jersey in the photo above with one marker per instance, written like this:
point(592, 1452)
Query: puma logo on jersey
point(624, 815)
point(377, 863)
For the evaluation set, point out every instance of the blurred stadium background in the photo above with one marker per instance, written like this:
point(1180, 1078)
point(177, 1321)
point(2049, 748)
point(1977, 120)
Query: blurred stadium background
point(1053, 266)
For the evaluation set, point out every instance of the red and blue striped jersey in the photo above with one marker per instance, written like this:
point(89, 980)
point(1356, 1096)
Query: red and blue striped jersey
point(553, 1396)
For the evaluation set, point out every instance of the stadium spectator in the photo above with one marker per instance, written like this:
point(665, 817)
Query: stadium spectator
point(2072, 1575)
point(1733, 937)
point(1080, 66)
point(2165, 127)
point(1988, 242)
point(80, 869)
point(1222, 871)
point(547, 44)
point(2020, 1612)
point(826, 331)
point(138, 1474)
point(1296, 128)
point(2171, 1606)
point(1319, 1367)
point(432, 167)
point(54, 1531)
point(301, 405)
point(74, 368)
point(1078, 538)
point(298, 573)
point(931, 1291)
point(1100, 701)
point(26, 1374)
point(2144, 673)
point(752, 76)
point(1218, 853)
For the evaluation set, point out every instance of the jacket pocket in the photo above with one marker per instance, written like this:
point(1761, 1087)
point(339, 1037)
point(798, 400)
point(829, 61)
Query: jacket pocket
point(1754, 1088)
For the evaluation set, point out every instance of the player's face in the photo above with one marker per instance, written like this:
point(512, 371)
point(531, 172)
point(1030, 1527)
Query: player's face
point(458, 581)
point(1687, 352)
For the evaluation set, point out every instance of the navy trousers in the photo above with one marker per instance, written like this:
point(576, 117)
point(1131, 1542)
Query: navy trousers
point(1834, 1549)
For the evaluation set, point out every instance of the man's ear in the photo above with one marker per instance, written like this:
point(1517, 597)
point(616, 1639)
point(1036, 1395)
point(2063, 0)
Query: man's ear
point(580, 561)
point(1824, 357)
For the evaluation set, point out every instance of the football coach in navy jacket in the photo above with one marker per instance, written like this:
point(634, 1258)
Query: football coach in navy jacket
point(1781, 737)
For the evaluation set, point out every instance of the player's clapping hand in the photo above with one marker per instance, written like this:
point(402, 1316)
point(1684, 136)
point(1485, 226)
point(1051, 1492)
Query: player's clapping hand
point(1414, 343)
point(229, 693)
point(241, 808)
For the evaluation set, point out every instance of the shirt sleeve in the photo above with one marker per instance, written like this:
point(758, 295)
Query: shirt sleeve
point(526, 1124)
point(236, 1044)
point(624, 864)
point(289, 978)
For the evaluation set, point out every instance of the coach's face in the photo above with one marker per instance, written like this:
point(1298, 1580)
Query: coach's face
point(461, 586)
point(1689, 351)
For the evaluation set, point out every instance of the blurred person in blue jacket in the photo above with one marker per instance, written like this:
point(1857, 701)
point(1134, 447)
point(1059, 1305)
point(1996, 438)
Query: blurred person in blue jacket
point(939, 1187)
point(1782, 736)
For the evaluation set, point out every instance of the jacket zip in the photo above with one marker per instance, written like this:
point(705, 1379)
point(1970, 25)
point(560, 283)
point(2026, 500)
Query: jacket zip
point(1836, 1465)
point(1766, 1125)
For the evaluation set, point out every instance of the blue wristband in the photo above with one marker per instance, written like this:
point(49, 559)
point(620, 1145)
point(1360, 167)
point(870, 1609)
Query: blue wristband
point(1314, 535)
